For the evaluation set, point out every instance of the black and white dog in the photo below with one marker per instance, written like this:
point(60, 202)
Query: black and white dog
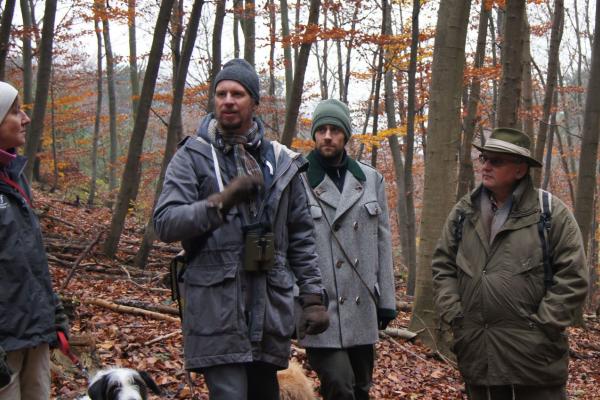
point(120, 384)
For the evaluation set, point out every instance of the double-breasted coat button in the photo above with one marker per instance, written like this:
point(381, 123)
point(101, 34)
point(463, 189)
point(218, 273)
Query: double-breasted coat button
point(342, 299)
point(356, 262)
point(339, 263)
point(336, 227)
point(357, 300)
point(355, 225)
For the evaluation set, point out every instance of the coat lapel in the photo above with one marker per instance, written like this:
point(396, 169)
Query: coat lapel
point(353, 190)
point(327, 192)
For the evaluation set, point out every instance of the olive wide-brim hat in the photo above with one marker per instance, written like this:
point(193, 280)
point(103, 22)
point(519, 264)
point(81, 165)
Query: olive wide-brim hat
point(510, 141)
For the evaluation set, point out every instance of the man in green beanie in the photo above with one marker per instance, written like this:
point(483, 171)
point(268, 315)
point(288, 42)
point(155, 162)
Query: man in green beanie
point(349, 208)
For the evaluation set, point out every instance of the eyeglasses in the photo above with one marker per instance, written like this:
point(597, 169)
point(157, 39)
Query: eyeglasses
point(498, 161)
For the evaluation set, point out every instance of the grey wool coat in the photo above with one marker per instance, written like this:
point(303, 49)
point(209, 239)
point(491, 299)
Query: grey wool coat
point(359, 217)
point(231, 316)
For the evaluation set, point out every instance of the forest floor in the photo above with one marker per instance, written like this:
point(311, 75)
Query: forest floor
point(105, 337)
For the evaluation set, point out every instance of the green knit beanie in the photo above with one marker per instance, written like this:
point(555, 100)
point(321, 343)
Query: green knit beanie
point(332, 112)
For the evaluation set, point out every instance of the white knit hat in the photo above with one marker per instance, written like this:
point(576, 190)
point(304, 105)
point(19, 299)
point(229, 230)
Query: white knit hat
point(8, 94)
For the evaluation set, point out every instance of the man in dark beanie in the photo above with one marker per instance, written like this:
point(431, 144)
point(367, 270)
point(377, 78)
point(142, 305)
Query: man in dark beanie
point(236, 202)
point(348, 203)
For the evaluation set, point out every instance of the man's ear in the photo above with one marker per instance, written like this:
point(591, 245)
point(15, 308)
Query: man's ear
point(522, 170)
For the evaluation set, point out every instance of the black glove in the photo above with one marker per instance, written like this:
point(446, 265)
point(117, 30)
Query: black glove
point(5, 372)
point(314, 318)
point(239, 190)
point(61, 320)
point(384, 317)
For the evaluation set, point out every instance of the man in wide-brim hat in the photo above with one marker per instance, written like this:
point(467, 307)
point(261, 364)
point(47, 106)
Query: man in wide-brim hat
point(507, 321)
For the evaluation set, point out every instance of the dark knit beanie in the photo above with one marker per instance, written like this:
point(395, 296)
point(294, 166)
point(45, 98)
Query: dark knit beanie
point(332, 112)
point(241, 71)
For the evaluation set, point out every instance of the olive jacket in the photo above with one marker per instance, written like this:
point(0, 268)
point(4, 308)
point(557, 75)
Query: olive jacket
point(508, 328)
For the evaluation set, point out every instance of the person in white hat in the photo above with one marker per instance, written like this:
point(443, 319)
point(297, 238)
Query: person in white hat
point(509, 274)
point(30, 312)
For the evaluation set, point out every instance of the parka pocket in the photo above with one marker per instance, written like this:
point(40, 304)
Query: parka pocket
point(211, 304)
point(316, 212)
point(279, 315)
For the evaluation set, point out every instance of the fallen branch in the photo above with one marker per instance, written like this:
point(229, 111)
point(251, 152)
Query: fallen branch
point(128, 310)
point(163, 337)
point(147, 306)
point(400, 333)
point(79, 259)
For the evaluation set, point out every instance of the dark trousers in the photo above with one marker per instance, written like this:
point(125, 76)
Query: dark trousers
point(249, 381)
point(516, 392)
point(345, 374)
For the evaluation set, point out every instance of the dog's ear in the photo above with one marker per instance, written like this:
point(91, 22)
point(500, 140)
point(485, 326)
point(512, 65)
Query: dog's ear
point(149, 382)
point(97, 390)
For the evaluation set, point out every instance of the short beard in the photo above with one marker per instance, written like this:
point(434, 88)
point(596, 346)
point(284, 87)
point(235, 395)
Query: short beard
point(334, 158)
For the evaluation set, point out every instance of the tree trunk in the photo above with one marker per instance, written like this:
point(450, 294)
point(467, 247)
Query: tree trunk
point(466, 180)
point(112, 101)
point(349, 51)
point(586, 182)
point(395, 149)
point(249, 31)
point(131, 171)
point(376, 102)
point(216, 50)
point(42, 86)
point(237, 22)
point(411, 229)
point(96, 135)
point(175, 124)
point(548, 159)
point(272, 78)
point(27, 60)
point(5, 25)
point(288, 63)
point(555, 38)
point(494, 114)
point(176, 35)
point(133, 66)
point(512, 67)
point(440, 167)
point(291, 112)
point(528, 121)
point(53, 136)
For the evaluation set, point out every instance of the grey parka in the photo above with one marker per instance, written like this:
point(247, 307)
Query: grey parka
point(508, 329)
point(218, 328)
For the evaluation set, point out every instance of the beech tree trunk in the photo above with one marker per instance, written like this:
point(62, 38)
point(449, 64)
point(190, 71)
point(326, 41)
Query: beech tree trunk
point(586, 182)
point(466, 180)
point(291, 112)
point(249, 31)
point(551, 80)
point(440, 167)
point(175, 124)
point(216, 50)
point(287, 51)
point(133, 66)
point(112, 102)
point(96, 135)
point(128, 189)
point(512, 67)
point(27, 59)
point(5, 25)
point(42, 87)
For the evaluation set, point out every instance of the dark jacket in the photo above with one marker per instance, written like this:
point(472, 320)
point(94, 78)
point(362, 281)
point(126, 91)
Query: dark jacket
point(231, 316)
point(27, 302)
point(508, 329)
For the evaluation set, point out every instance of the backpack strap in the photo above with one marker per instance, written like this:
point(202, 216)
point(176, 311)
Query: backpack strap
point(458, 226)
point(544, 225)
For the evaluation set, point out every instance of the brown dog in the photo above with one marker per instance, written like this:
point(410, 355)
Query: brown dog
point(294, 384)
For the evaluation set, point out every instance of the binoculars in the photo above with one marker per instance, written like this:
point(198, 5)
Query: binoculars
point(259, 250)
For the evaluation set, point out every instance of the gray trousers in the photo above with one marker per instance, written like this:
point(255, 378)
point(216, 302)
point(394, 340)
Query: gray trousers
point(516, 392)
point(248, 381)
point(345, 374)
